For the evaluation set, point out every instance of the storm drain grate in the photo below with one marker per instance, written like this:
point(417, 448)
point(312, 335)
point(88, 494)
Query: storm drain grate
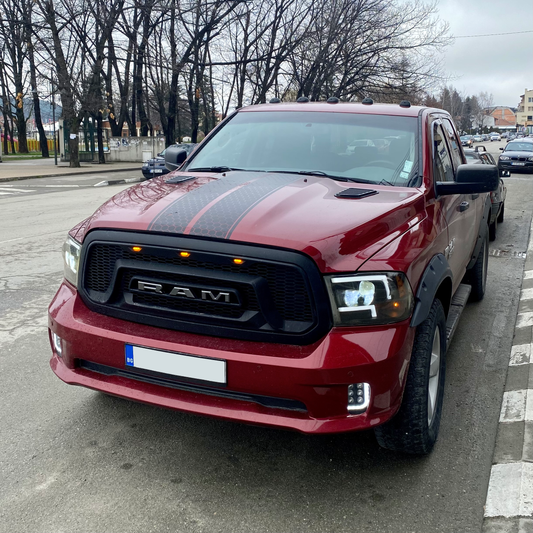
point(507, 253)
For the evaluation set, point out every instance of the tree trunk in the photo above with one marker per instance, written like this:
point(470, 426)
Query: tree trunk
point(100, 139)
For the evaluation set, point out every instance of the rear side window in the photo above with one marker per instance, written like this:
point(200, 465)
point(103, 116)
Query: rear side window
point(453, 143)
point(443, 164)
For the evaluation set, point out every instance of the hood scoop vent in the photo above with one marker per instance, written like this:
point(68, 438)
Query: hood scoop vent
point(356, 193)
point(179, 179)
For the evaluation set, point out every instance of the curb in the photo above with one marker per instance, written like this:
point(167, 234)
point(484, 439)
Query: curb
point(105, 183)
point(83, 172)
point(509, 504)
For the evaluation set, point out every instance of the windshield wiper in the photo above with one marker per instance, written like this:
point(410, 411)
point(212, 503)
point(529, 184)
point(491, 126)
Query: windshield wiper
point(311, 173)
point(219, 169)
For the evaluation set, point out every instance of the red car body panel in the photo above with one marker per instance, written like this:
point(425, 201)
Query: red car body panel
point(315, 375)
point(399, 229)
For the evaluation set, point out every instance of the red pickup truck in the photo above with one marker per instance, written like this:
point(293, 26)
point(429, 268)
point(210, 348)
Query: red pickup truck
point(305, 267)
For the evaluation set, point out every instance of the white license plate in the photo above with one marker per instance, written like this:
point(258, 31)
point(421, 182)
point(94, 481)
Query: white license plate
point(158, 171)
point(518, 164)
point(176, 364)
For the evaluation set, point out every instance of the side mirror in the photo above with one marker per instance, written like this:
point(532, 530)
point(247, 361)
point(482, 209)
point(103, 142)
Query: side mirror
point(471, 179)
point(174, 157)
point(501, 148)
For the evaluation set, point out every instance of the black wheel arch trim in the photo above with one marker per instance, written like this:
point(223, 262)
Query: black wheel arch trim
point(483, 229)
point(436, 272)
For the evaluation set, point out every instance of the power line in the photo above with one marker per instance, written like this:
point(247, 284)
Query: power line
point(491, 34)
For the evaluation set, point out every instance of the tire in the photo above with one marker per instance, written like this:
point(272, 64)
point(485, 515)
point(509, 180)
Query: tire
point(501, 215)
point(414, 429)
point(493, 229)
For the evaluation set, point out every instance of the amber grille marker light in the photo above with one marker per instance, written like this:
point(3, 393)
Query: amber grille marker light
point(185, 254)
point(137, 249)
point(238, 261)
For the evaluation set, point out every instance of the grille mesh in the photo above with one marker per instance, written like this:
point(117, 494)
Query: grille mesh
point(286, 283)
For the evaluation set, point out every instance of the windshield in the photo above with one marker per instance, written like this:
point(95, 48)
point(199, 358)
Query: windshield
point(519, 147)
point(346, 146)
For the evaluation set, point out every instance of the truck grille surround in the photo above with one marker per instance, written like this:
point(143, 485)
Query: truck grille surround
point(275, 295)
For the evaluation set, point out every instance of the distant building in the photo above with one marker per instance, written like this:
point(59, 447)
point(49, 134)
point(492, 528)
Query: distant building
point(524, 115)
point(504, 118)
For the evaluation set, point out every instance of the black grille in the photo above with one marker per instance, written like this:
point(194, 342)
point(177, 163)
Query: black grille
point(286, 283)
point(275, 297)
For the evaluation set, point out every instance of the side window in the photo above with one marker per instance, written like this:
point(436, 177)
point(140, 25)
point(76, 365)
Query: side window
point(453, 144)
point(443, 164)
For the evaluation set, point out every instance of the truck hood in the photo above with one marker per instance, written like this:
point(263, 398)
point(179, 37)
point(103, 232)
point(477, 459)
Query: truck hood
point(283, 210)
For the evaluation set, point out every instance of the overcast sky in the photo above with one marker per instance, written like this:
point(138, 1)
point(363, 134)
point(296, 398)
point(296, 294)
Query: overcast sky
point(501, 65)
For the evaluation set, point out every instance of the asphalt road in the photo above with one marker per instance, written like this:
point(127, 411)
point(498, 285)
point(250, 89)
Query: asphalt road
point(73, 460)
point(46, 185)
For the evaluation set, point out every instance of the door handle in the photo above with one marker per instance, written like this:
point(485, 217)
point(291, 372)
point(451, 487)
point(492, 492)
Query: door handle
point(463, 206)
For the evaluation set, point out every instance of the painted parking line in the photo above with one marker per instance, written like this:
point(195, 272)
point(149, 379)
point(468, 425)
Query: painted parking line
point(510, 491)
point(520, 355)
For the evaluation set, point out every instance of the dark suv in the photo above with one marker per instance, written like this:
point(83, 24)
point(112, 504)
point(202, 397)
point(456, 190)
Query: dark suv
point(285, 274)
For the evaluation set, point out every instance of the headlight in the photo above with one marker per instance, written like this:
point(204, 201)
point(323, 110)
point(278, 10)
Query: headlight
point(71, 260)
point(504, 158)
point(369, 299)
point(530, 158)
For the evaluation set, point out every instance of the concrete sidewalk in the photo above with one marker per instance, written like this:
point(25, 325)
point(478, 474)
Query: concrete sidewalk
point(11, 170)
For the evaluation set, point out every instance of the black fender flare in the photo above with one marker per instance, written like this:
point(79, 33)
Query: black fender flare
point(436, 272)
point(483, 228)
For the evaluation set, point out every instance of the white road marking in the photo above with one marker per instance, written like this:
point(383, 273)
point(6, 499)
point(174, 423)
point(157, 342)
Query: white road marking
point(9, 188)
point(529, 406)
point(524, 320)
point(520, 354)
point(528, 274)
point(510, 491)
point(513, 406)
point(58, 186)
point(13, 191)
point(526, 294)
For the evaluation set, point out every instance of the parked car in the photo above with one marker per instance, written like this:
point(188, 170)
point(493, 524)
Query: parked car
point(156, 166)
point(495, 137)
point(467, 140)
point(478, 138)
point(485, 137)
point(512, 137)
point(517, 156)
point(276, 279)
point(497, 197)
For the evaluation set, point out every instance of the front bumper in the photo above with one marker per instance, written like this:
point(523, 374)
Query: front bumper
point(308, 384)
point(514, 166)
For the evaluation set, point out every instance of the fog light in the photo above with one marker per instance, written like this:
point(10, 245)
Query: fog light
point(358, 397)
point(56, 341)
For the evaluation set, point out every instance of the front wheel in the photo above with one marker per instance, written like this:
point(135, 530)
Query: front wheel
point(415, 427)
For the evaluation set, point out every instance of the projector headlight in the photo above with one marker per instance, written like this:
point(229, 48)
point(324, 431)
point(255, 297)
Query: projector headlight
point(71, 260)
point(370, 299)
point(504, 158)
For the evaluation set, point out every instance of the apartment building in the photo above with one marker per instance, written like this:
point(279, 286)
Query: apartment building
point(524, 115)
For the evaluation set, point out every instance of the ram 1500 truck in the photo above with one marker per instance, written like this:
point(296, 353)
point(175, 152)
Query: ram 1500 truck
point(304, 268)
